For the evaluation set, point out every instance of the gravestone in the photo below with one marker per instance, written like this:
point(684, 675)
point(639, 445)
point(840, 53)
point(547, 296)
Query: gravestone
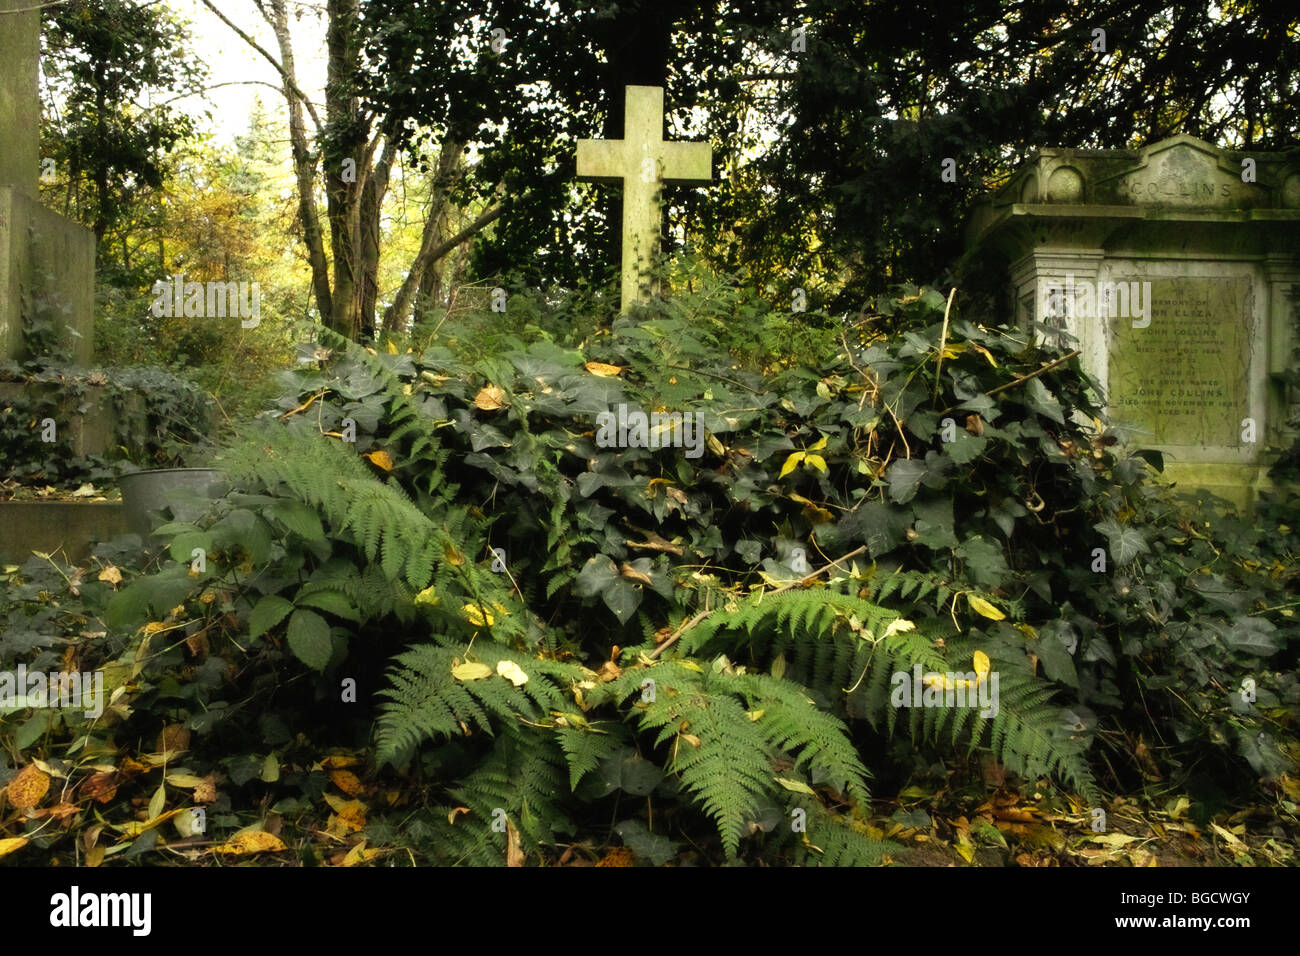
point(643, 163)
point(46, 261)
point(1175, 269)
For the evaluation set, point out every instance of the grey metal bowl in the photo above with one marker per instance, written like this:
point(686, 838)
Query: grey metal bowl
point(145, 492)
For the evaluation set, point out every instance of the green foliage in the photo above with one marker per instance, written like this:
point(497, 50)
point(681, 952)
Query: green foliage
point(693, 648)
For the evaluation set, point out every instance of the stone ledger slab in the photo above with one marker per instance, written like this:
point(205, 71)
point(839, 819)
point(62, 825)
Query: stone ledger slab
point(48, 526)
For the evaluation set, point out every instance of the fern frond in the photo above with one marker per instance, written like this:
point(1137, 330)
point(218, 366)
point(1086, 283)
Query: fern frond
point(848, 650)
point(426, 701)
point(724, 732)
point(521, 783)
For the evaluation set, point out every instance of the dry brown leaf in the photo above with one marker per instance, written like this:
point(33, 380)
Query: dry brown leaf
point(514, 846)
point(633, 574)
point(198, 645)
point(490, 398)
point(608, 671)
point(174, 737)
point(60, 811)
point(112, 575)
point(100, 787)
point(618, 856)
point(206, 792)
point(27, 788)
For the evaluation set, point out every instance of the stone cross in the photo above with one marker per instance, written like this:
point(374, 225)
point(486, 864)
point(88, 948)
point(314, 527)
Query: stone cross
point(643, 163)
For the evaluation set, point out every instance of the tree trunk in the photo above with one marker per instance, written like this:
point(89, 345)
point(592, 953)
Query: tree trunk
point(372, 201)
point(449, 163)
point(304, 167)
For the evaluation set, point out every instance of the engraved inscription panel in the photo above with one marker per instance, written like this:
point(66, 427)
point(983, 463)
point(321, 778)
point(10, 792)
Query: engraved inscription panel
point(1184, 380)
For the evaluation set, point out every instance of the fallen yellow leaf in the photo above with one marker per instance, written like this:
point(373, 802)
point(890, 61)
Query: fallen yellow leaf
point(346, 780)
point(380, 459)
point(111, 574)
point(256, 841)
point(471, 670)
point(477, 616)
point(9, 844)
point(350, 814)
point(984, 608)
point(340, 760)
point(603, 370)
point(359, 854)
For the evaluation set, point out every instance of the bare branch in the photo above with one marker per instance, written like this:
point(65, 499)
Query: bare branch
point(289, 84)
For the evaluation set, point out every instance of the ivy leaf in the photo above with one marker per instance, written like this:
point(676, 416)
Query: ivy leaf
point(904, 478)
point(1055, 658)
point(1252, 635)
point(651, 847)
point(1126, 542)
point(623, 598)
point(1043, 401)
point(596, 575)
point(309, 639)
point(985, 563)
point(600, 576)
point(266, 614)
point(965, 448)
point(934, 524)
